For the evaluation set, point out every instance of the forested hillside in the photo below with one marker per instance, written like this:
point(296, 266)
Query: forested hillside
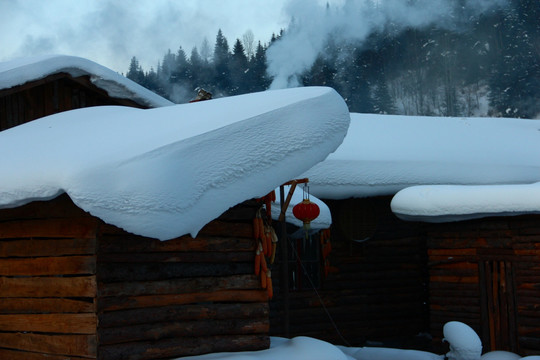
point(485, 65)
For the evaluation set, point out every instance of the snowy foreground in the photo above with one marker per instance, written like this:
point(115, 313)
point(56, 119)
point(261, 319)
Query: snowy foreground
point(464, 345)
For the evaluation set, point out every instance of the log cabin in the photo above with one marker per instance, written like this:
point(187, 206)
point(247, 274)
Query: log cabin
point(74, 287)
point(31, 88)
point(401, 269)
point(135, 240)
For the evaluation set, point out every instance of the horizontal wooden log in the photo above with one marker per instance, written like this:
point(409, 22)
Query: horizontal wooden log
point(50, 323)
point(46, 305)
point(221, 228)
point(25, 355)
point(450, 266)
point(454, 279)
point(76, 345)
point(47, 247)
point(83, 286)
point(530, 331)
point(180, 286)
point(124, 272)
point(156, 331)
point(137, 244)
point(186, 257)
point(530, 342)
point(468, 242)
point(65, 265)
point(452, 252)
point(445, 316)
point(527, 285)
point(435, 272)
point(527, 303)
point(189, 312)
point(136, 302)
point(184, 346)
point(84, 227)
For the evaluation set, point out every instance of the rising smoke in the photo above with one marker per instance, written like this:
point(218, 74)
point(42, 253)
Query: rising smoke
point(352, 22)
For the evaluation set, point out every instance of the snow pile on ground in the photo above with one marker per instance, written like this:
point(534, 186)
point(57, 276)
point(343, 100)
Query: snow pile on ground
point(20, 71)
point(309, 348)
point(297, 348)
point(463, 340)
point(168, 171)
point(495, 162)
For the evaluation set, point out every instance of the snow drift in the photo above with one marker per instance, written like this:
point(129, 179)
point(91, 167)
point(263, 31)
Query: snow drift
point(168, 171)
point(383, 154)
point(442, 169)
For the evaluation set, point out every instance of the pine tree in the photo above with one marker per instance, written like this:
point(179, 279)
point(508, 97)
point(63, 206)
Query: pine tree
point(180, 72)
point(222, 79)
point(382, 100)
point(201, 72)
point(260, 80)
point(239, 69)
point(135, 71)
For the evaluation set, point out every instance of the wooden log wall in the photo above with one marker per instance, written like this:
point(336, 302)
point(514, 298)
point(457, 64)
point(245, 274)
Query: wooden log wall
point(53, 94)
point(47, 282)
point(486, 273)
point(184, 296)
point(72, 287)
point(376, 290)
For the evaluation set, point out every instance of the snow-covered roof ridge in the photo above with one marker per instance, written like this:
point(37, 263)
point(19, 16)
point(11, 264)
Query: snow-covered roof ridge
point(168, 171)
point(20, 71)
point(383, 154)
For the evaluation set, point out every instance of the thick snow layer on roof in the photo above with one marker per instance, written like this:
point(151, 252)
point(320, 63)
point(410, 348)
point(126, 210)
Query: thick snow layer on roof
point(450, 168)
point(383, 154)
point(168, 171)
point(442, 203)
point(23, 70)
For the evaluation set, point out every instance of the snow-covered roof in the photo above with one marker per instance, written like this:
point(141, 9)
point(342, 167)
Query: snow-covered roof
point(384, 154)
point(168, 171)
point(20, 71)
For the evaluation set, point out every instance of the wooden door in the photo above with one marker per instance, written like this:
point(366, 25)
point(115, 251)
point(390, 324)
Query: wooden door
point(498, 307)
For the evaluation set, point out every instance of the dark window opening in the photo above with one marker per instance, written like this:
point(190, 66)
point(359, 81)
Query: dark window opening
point(304, 262)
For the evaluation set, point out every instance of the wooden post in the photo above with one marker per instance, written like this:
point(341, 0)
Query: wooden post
point(284, 265)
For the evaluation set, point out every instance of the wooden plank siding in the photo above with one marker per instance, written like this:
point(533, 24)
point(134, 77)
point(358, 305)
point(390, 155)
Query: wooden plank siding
point(50, 95)
point(376, 291)
point(184, 296)
point(47, 281)
point(72, 286)
point(486, 273)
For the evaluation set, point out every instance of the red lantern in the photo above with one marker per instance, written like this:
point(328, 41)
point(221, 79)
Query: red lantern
point(306, 211)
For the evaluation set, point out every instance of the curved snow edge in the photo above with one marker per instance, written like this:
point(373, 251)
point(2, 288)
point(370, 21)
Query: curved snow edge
point(189, 183)
point(446, 203)
point(20, 71)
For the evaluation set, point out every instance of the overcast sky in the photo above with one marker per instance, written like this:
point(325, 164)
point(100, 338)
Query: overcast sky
point(110, 32)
